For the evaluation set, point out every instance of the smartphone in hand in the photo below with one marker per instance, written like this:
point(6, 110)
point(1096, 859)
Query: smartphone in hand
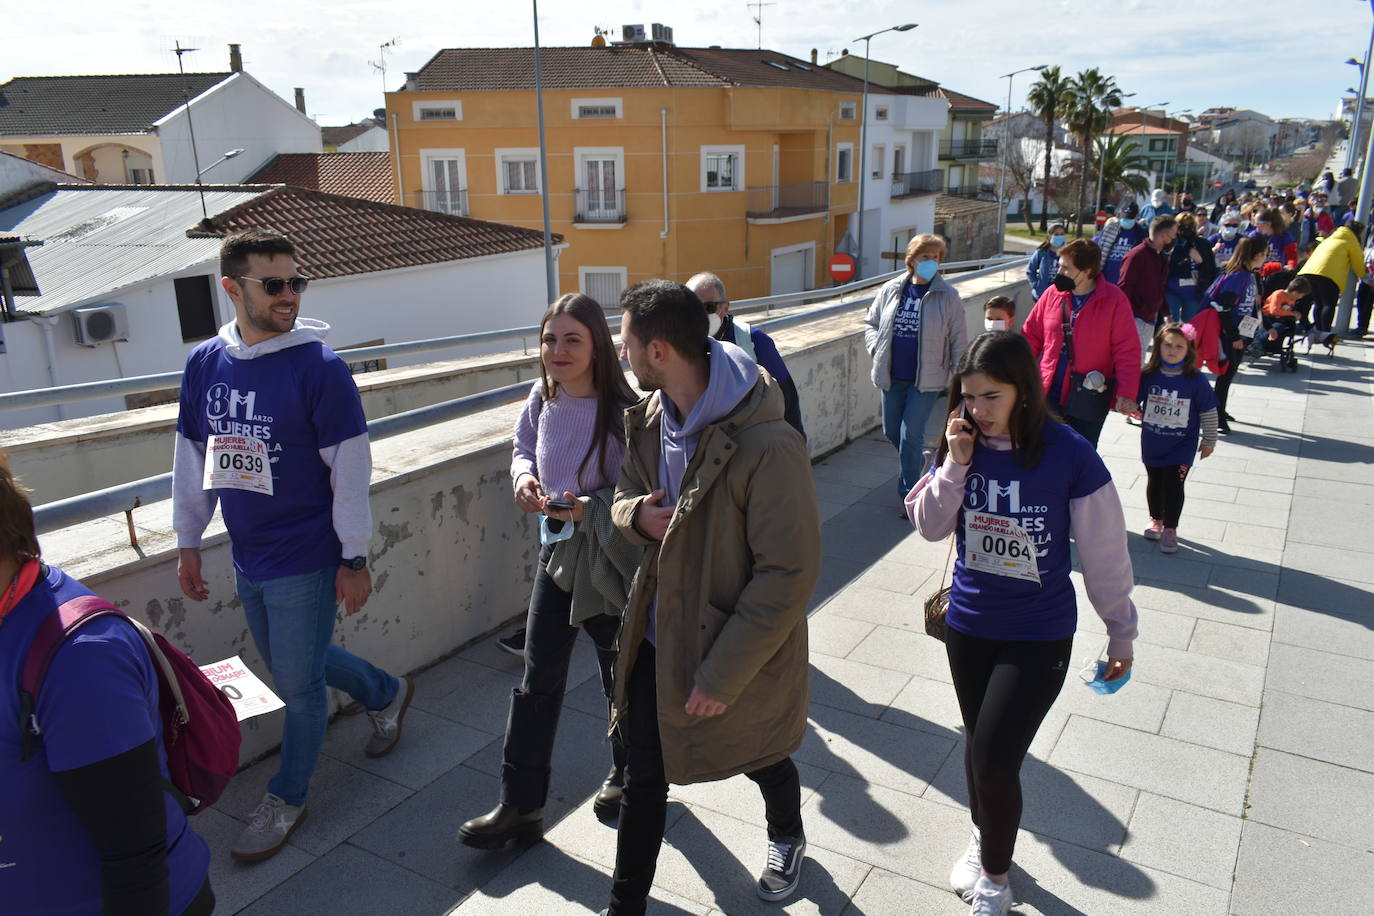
point(558, 504)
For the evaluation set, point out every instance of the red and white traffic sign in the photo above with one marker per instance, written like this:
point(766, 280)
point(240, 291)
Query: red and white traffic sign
point(842, 267)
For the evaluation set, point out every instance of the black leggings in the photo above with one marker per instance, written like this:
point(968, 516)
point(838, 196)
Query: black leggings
point(1004, 689)
point(1223, 386)
point(1164, 492)
point(1326, 296)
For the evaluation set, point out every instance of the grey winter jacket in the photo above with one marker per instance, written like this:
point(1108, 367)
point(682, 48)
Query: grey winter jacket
point(944, 332)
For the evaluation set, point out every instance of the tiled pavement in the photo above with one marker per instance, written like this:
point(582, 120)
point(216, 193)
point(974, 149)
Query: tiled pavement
point(1235, 774)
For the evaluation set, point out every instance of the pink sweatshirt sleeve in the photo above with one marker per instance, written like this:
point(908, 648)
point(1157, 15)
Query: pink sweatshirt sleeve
point(933, 504)
point(1098, 527)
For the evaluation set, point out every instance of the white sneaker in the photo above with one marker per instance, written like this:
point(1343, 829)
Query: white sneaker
point(269, 827)
point(966, 872)
point(386, 723)
point(990, 898)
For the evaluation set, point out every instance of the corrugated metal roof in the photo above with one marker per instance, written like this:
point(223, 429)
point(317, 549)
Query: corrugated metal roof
point(98, 240)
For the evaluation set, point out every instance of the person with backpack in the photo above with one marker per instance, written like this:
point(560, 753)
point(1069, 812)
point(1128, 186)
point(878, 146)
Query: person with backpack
point(272, 428)
point(88, 827)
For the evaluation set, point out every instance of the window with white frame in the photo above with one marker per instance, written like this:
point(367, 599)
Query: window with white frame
point(596, 108)
point(898, 160)
point(876, 157)
point(722, 168)
point(517, 171)
point(848, 111)
point(600, 182)
point(880, 113)
point(444, 180)
point(604, 284)
point(437, 110)
point(844, 162)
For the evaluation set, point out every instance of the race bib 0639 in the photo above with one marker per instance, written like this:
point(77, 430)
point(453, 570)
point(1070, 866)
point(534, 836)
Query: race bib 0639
point(999, 545)
point(238, 463)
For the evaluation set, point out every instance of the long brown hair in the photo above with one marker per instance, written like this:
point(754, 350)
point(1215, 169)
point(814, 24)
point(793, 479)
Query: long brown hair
point(1189, 366)
point(1007, 358)
point(17, 537)
point(613, 393)
point(1247, 249)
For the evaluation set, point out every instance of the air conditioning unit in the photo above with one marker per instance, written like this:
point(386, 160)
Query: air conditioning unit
point(632, 33)
point(663, 33)
point(98, 324)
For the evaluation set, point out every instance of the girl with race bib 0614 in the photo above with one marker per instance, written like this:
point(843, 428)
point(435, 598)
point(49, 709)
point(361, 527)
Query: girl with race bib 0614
point(1014, 484)
point(1178, 409)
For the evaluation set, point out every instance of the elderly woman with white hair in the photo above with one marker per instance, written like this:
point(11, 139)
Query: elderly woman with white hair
point(916, 331)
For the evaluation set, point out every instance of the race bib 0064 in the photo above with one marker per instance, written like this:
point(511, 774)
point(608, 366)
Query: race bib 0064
point(999, 545)
point(237, 463)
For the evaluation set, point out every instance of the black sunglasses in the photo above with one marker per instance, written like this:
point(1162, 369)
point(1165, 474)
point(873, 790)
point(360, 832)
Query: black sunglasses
point(274, 285)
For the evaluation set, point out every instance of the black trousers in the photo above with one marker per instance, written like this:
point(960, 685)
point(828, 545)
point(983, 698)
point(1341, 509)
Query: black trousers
point(536, 704)
point(644, 804)
point(1326, 296)
point(1004, 690)
point(1364, 303)
point(1223, 386)
point(1164, 492)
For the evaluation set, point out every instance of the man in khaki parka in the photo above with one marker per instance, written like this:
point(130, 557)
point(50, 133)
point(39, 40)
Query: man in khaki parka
point(711, 679)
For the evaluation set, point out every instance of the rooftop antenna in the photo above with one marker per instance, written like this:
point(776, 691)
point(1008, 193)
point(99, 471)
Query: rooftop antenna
point(758, 18)
point(186, 94)
point(380, 63)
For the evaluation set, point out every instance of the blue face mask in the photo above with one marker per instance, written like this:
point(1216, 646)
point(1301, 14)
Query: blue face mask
point(1127, 223)
point(1057, 241)
point(1229, 232)
point(1168, 365)
point(548, 536)
point(927, 270)
point(1097, 685)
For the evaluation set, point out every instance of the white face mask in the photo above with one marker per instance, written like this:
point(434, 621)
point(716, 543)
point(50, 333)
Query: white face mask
point(994, 324)
point(713, 323)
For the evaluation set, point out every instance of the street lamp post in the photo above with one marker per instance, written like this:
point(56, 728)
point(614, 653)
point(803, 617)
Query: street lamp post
point(1357, 123)
point(228, 154)
point(1169, 116)
point(863, 138)
point(1143, 112)
point(1002, 172)
point(1342, 323)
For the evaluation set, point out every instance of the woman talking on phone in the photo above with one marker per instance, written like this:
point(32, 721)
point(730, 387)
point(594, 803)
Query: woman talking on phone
point(1014, 484)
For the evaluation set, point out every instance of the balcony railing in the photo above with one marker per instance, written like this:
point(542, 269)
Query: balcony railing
point(970, 192)
point(781, 200)
point(599, 206)
point(916, 184)
point(968, 149)
point(454, 203)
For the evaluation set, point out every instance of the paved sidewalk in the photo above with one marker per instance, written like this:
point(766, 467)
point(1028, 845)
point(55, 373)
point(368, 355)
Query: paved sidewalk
point(1235, 774)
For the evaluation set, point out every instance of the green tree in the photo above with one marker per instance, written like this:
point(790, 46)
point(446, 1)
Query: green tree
point(1045, 99)
point(1084, 109)
point(1123, 164)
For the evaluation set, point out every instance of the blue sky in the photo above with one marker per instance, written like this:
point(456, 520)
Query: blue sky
point(1193, 55)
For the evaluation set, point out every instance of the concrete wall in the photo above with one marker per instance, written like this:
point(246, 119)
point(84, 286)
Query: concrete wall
point(451, 557)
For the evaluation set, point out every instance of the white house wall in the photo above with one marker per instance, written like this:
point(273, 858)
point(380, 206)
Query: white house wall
point(373, 140)
point(237, 113)
point(913, 122)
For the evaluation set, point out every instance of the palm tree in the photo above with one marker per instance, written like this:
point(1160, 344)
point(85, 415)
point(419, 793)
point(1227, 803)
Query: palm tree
point(1123, 163)
point(1084, 110)
point(1045, 98)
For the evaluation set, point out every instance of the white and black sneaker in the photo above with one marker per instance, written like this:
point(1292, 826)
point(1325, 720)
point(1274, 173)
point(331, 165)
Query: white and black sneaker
point(514, 643)
point(963, 877)
point(990, 898)
point(783, 871)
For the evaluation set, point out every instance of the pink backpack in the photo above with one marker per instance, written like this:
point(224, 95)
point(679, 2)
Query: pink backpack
point(200, 730)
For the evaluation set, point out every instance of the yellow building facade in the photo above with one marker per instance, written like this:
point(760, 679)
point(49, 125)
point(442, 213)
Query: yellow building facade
point(756, 183)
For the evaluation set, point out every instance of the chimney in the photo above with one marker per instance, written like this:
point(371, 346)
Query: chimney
point(300, 100)
point(813, 57)
point(235, 59)
point(412, 81)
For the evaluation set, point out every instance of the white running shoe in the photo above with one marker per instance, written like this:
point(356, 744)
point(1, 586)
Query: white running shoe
point(966, 872)
point(991, 898)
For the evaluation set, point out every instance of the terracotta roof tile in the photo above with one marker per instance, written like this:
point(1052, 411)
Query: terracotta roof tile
point(339, 236)
point(961, 101)
point(614, 67)
point(124, 104)
point(365, 175)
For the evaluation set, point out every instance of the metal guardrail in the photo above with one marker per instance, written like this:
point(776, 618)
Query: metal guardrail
point(782, 200)
point(126, 497)
point(598, 206)
point(454, 203)
point(911, 184)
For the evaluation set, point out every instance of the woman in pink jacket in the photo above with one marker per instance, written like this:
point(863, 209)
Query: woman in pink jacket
point(1104, 371)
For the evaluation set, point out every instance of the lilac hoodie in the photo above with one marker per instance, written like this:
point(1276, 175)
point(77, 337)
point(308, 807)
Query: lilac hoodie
point(733, 375)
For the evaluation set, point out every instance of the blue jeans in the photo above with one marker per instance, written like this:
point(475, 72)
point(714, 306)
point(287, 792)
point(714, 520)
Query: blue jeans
point(1183, 303)
point(292, 622)
point(905, 413)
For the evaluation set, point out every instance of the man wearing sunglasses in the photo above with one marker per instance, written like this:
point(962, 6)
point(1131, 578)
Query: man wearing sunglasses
point(271, 427)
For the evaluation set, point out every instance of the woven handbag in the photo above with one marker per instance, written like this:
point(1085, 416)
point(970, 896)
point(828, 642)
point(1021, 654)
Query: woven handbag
point(937, 605)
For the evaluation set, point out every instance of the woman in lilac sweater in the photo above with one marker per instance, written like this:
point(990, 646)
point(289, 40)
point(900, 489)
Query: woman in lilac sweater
point(1016, 484)
point(569, 443)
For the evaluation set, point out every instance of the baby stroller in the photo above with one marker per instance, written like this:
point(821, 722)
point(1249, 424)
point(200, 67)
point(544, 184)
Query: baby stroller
point(1281, 329)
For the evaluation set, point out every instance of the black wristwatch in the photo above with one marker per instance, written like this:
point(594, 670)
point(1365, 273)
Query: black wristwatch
point(354, 563)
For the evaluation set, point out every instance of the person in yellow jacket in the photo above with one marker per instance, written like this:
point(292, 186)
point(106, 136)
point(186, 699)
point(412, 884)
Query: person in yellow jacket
point(1335, 258)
